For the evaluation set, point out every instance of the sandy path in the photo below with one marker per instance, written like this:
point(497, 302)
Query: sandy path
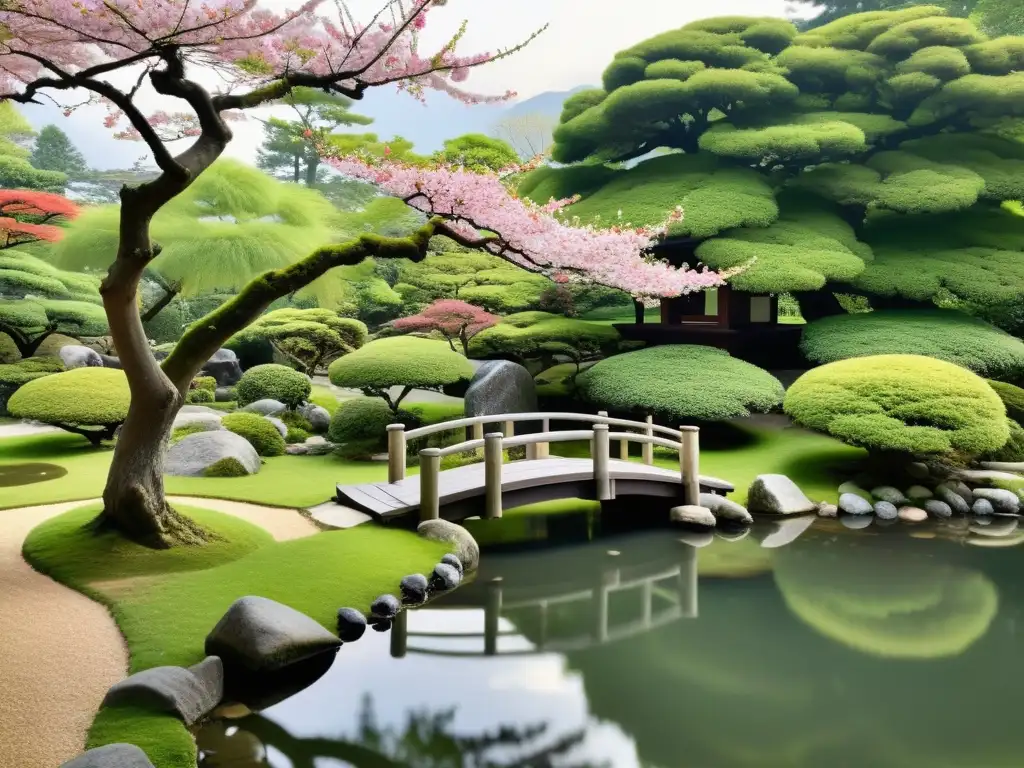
point(24, 429)
point(59, 651)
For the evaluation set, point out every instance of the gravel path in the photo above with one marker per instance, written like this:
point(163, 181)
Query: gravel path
point(59, 651)
point(24, 429)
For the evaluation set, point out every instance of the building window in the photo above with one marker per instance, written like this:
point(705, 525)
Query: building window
point(760, 309)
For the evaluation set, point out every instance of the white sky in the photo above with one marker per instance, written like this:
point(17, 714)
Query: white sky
point(581, 38)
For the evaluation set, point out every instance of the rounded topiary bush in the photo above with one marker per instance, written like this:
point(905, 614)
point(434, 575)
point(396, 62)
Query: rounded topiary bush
point(273, 382)
point(14, 375)
point(1013, 449)
point(1013, 399)
point(261, 434)
point(524, 334)
point(92, 402)
point(401, 361)
point(906, 403)
point(362, 420)
point(681, 383)
point(940, 333)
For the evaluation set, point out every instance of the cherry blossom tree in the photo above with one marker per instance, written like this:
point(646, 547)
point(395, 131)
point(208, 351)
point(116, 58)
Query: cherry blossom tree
point(452, 318)
point(60, 50)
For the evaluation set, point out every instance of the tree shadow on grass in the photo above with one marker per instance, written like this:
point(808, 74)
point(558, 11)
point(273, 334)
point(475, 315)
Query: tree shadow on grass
point(53, 447)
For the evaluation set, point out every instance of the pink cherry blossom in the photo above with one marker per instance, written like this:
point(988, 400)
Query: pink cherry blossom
point(452, 318)
point(539, 238)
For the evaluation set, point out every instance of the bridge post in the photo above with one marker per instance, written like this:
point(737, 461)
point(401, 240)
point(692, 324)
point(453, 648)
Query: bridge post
point(541, 450)
point(478, 431)
point(509, 429)
point(430, 484)
point(600, 454)
point(689, 464)
point(648, 448)
point(399, 634)
point(396, 452)
point(492, 475)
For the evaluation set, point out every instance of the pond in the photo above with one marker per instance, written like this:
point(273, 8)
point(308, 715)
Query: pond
point(876, 647)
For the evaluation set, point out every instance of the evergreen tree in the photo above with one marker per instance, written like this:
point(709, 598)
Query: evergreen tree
point(16, 172)
point(477, 152)
point(289, 147)
point(868, 156)
point(55, 152)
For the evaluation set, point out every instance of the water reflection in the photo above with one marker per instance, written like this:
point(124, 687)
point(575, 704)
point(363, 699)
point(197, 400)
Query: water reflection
point(827, 647)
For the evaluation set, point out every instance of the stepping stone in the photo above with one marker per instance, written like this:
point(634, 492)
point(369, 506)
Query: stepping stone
point(335, 515)
point(190, 693)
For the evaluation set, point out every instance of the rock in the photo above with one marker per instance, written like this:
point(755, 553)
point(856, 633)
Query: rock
point(224, 394)
point(856, 490)
point(318, 417)
point(500, 386)
point(893, 496)
point(260, 634)
point(111, 756)
point(691, 514)
point(912, 515)
point(918, 470)
point(777, 495)
point(956, 503)
point(296, 450)
point(224, 367)
point(351, 625)
point(200, 409)
point(885, 510)
point(725, 509)
point(193, 455)
point(960, 488)
point(190, 693)
point(828, 510)
point(110, 362)
point(279, 425)
point(208, 421)
point(453, 560)
point(856, 522)
point(445, 577)
point(919, 492)
point(939, 509)
point(466, 548)
point(852, 504)
point(266, 407)
point(979, 476)
point(385, 607)
point(1017, 467)
point(982, 507)
point(414, 587)
point(697, 539)
point(1002, 500)
point(787, 531)
point(77, 356)
point(317, 445)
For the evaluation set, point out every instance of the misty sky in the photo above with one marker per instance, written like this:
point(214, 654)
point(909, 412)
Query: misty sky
point(582, 37)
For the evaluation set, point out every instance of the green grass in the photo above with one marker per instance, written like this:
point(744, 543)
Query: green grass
point(163, 738)
point(435, 413)
point(613, 315)
point(324, 397)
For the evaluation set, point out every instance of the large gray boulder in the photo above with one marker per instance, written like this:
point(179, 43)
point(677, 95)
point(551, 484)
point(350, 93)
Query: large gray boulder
point(692, 515)
point(224, 367)
point(778, 495)
point(852, 504)
point(77, 356)
point(462, 541)
point(500, 386)
point(954, 500)
point(279, 425)
point(725, 509)
point(111, 756)
point(208, 421)
point(1002, 500)
point(317, 416)
point(193, 455)
point(190, 694)
point(258, 634)
point(266, 407)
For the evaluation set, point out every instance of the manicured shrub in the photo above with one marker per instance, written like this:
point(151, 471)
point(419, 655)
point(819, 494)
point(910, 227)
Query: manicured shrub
point(297, 420)
point(274, 382)
point(13, 376)
point(1013, 399)
point(207, 383)
point(296, 435)
point(195, 396)
point(226, 467)
point(361, 420)
point(524, 335)
point(401, 361)
point(680, 383)
point(941, 333)
point(906, 403)
point(92, 402)
point(261, 434)
point(1013, 450)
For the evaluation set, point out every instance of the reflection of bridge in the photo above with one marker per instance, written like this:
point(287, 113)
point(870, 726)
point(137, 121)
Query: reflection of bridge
point(663, 597)
point(459, 492)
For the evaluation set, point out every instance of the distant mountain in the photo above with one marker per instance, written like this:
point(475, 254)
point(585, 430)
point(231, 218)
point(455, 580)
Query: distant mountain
point(548, 103)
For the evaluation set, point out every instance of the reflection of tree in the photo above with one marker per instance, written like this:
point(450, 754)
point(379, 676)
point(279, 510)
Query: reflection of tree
point(427, 740)
point(897, 603)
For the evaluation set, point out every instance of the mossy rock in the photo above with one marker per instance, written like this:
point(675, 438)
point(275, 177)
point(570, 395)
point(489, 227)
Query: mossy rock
point(261, 433)
point(226, 467)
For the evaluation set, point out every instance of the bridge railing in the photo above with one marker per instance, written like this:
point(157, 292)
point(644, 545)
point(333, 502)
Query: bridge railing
point(399, 437)
point(495, 443)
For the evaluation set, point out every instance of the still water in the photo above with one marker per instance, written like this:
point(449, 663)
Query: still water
point(874, 648)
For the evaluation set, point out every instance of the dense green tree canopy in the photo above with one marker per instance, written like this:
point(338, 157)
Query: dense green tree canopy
point(478, 152)
point(310, 338)
point(16, 170)
point(55, 152)
point(870, 155)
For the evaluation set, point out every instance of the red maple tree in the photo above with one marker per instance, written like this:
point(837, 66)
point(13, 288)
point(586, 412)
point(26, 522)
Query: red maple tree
point(26, 216)
point(454, 319)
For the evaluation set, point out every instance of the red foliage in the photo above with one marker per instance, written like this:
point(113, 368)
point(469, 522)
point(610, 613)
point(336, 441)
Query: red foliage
point(24, 214)
point(453, 318)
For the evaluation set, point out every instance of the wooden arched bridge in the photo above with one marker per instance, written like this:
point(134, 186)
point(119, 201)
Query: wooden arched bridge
point(490, 486)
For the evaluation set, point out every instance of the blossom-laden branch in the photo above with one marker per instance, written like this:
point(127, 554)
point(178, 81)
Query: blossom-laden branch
point(479, 208)
point(261, 54)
